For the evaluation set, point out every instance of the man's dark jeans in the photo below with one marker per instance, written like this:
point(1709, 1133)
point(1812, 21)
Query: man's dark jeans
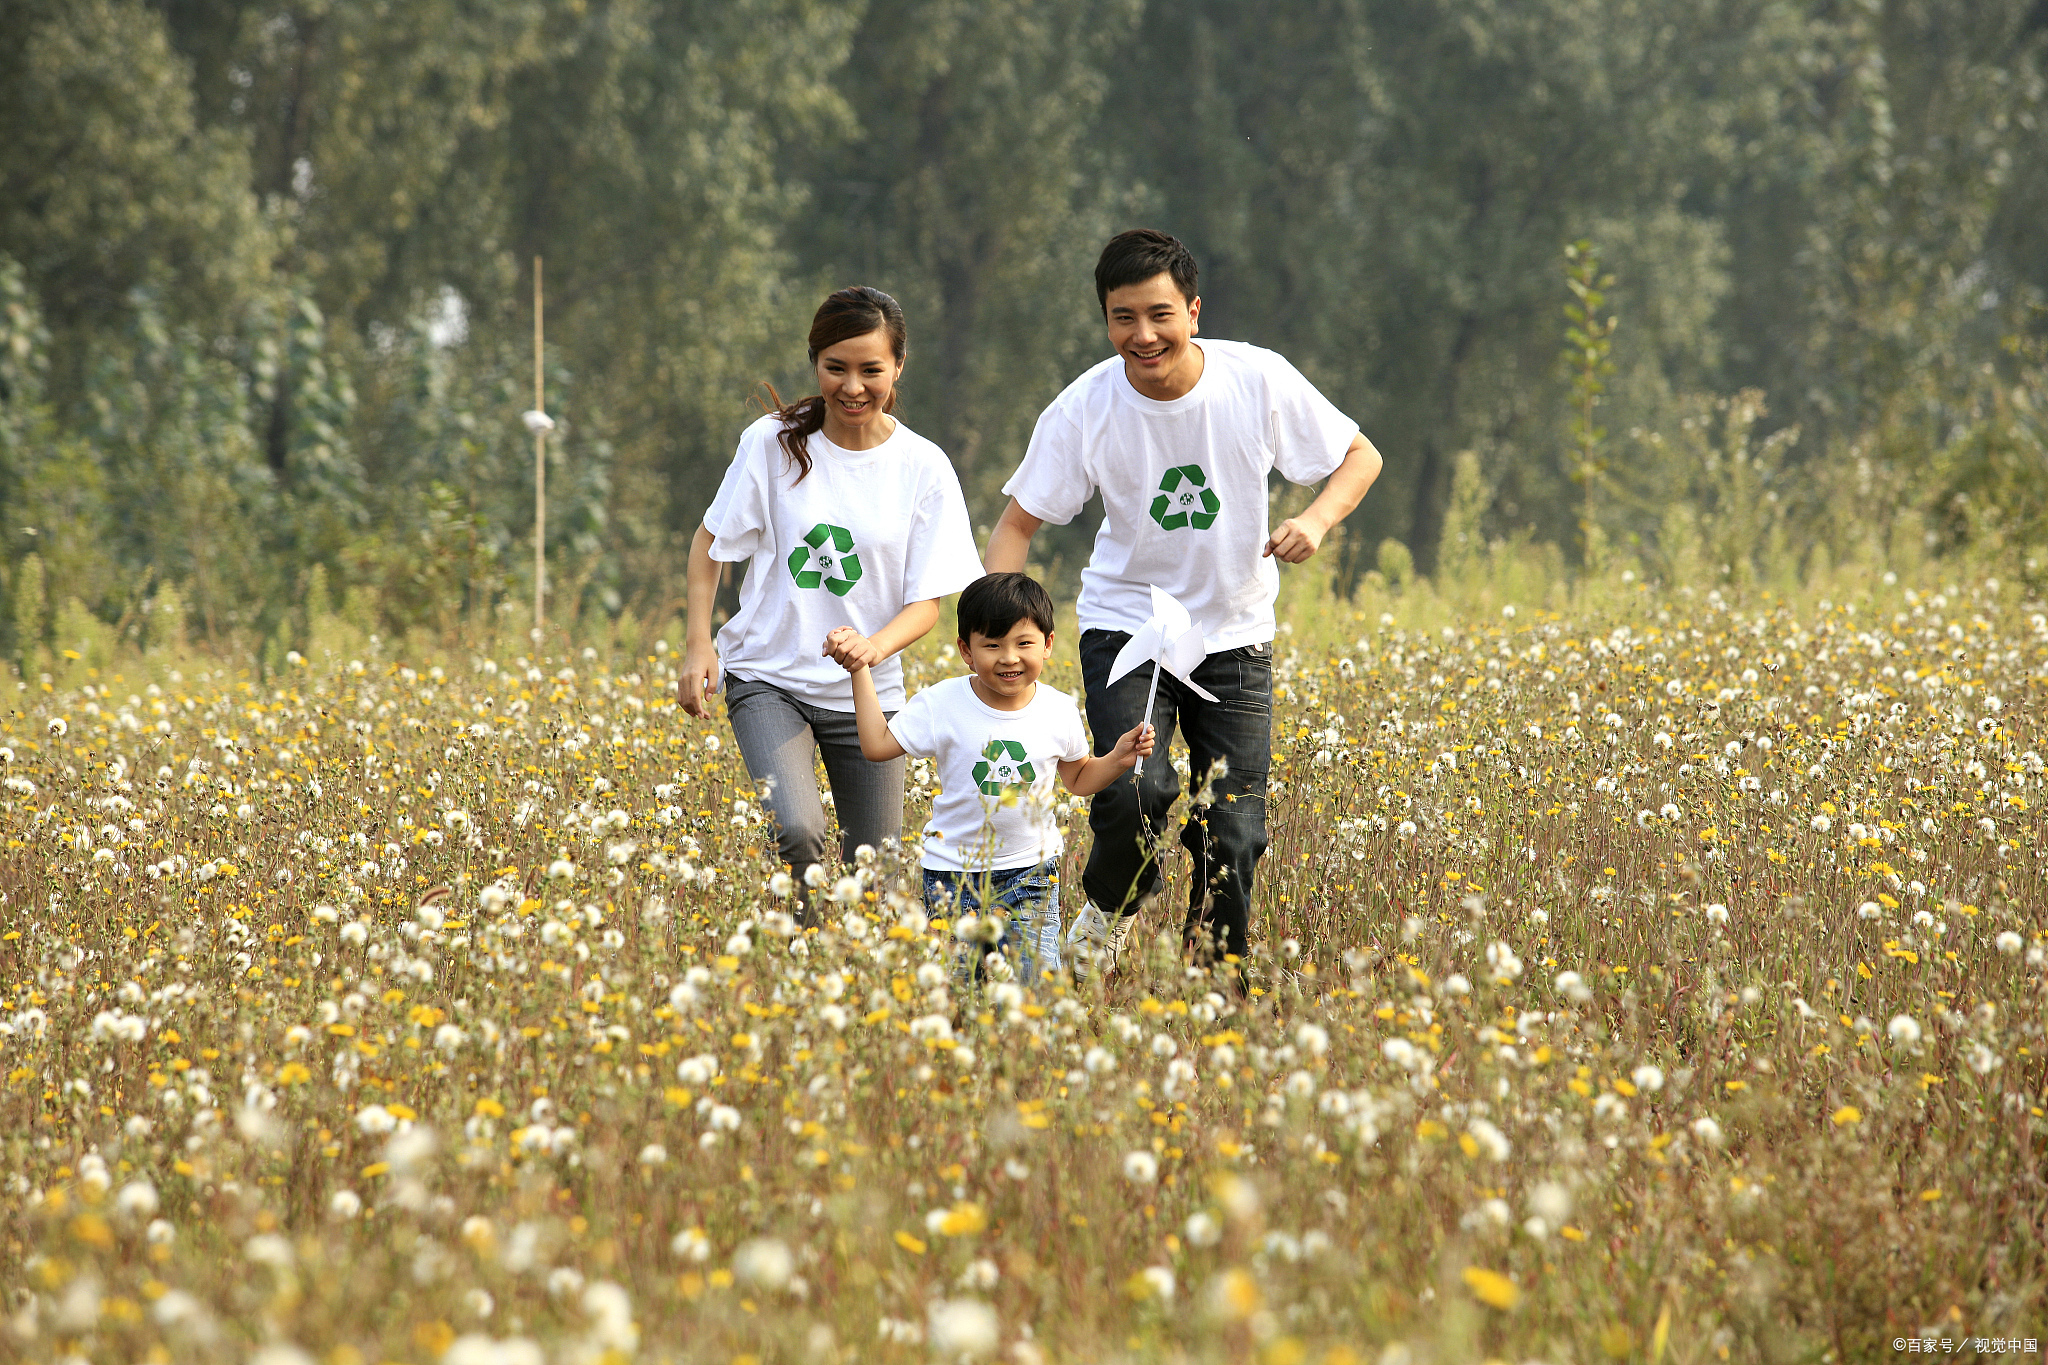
point(1225, 830)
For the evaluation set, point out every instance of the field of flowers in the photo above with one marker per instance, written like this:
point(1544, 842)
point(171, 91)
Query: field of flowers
point(1658, 980)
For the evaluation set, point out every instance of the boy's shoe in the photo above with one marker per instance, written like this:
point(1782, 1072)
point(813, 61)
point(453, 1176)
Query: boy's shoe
point(1097, 941)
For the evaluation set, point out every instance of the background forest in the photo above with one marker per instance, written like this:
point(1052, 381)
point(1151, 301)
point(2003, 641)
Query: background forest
point(265, 275)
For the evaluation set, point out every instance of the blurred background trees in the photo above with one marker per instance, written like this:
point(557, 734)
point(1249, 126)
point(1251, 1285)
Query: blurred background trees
point(264, 289)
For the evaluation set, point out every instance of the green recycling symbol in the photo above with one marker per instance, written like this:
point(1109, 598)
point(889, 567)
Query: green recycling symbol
point(1185, 499)
point(826, 559)
point(1003, 765)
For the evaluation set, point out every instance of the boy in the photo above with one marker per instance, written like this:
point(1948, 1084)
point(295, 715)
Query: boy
point(1180, 438)
point(998, 735)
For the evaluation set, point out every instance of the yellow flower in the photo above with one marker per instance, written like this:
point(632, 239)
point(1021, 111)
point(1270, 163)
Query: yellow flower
point(1847, 1114)
point(909, 1243)
point(1491, 1288)
point(964, 1219)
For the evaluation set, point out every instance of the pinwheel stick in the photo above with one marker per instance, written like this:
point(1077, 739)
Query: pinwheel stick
point(1146, 719)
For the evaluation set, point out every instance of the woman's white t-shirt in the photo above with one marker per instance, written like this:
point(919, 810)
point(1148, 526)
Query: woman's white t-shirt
point(1183, 485)
point(998, 773)
point(865, 534)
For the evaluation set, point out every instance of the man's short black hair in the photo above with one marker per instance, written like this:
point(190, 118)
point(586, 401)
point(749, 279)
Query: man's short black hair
point(1139, 255)
point(992, 606)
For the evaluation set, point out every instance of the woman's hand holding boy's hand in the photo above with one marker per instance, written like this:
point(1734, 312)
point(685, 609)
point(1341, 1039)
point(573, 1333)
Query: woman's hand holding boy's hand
point(852, 650)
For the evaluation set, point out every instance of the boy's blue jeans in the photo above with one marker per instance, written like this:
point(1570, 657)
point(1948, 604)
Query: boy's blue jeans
point(1029, 901)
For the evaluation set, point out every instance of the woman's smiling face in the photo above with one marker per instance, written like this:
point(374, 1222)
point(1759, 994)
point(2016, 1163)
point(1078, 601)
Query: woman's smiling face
point(857, 377)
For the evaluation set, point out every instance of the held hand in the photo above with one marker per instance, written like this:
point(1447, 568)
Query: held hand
point(699, 679)
point(1134, 745)
point(1295, 540)
point(851, 650)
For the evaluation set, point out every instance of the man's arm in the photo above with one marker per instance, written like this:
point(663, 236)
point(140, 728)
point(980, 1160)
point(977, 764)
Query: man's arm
point(1011, 540)
point(1299, 537)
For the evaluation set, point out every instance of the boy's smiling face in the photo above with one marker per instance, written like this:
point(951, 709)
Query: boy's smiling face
point(1006, 667)
point(1153, 328)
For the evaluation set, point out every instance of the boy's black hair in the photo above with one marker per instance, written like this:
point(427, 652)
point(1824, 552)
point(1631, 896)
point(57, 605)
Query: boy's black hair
point(1139, 255)
point(992, 606)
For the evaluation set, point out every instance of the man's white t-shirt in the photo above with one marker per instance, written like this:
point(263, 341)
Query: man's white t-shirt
point(1183, 485)
point(997, 773)
point(865, 534)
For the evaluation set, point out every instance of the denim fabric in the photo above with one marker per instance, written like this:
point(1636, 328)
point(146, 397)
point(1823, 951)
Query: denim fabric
point(778, 736)
point(1225, 831)
point(1029, 898)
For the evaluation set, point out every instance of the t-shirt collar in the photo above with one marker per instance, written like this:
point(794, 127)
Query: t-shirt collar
point(1191, 398)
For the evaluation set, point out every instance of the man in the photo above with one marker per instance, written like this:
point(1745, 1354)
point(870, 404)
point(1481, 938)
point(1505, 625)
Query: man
point(1179, 436)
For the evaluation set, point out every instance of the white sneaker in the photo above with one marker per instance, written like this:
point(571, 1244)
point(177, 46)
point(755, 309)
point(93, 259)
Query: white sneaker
point(1096, 941)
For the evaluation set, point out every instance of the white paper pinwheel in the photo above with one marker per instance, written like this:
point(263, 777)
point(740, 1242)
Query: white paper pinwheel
point(1171, 641)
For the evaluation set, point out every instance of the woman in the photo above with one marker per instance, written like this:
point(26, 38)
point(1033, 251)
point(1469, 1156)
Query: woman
point(853, 527)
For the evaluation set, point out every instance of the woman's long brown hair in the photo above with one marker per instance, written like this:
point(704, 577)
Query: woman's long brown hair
point(847, 313)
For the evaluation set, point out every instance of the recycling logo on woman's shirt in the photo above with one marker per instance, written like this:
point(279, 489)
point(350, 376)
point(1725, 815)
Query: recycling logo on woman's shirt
point(1002, 765)
point(1185, 499)
point(826, 559)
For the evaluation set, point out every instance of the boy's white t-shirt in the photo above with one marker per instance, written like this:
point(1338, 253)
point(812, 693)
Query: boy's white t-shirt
point(1183, 485)
point(997, 773)
point(865, 534)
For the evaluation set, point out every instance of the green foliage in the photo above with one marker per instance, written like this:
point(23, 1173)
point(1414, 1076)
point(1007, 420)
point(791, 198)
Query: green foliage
point(265, 291)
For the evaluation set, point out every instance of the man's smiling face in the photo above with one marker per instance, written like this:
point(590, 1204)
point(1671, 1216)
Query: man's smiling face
point(1153, 328)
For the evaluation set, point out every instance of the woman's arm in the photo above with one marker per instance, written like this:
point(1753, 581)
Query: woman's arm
point(851, 650)
point(877, 745)
point(700, 656)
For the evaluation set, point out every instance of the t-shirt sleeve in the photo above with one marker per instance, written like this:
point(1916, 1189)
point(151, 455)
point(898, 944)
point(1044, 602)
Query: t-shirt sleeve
point(916, 726)
point(1310, 434)
point(1052, 483)
point(740, 517)
point(941, 557)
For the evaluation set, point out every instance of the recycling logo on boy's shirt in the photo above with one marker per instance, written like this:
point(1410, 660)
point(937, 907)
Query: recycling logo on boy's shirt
point(1185, 499)
point(826, 559)
point(1003, 764)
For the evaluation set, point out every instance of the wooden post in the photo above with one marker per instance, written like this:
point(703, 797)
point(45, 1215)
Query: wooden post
point(540, 474)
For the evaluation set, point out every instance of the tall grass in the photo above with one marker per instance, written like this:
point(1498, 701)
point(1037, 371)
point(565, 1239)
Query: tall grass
point(1640, 974)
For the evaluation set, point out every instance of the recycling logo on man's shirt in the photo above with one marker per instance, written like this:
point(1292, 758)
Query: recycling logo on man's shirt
point(1003, 764)
point(1185, 499)
point(826, 559)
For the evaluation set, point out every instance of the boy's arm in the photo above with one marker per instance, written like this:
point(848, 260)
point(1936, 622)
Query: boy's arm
point(1087, 776)
point(850, 649)
point(877, 745)
point(1011, 540)
point(1295, 539)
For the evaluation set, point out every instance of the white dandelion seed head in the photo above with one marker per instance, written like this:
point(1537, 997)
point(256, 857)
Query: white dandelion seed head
point(764, 1262)
point(1904, 1030)
point(962, 1328)
point(1141, 1168)
point(1551, 1202)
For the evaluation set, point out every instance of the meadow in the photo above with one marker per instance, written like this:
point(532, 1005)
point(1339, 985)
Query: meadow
point(1642, 975)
